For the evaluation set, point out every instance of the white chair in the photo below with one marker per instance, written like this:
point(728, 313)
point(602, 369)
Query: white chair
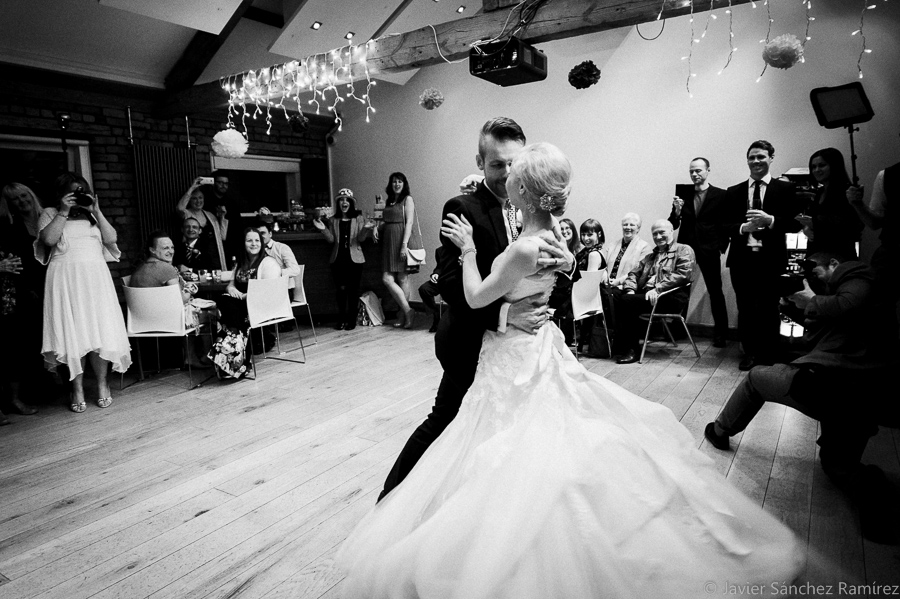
point(158, 312)
point(268, 304)
point(587, 300)
point(665, 319)
point(299, 299)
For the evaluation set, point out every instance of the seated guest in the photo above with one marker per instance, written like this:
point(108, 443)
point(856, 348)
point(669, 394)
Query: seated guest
point(429, 290)
point(157, 271)
point(561, 296)
point(189, 254)
point(833, 383)
point(669, 266)
point(280, 252)
point(623, 255)
point(253, 263)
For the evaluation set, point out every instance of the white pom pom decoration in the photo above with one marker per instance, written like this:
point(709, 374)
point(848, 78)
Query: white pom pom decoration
point(229, 143)
point(783, 52)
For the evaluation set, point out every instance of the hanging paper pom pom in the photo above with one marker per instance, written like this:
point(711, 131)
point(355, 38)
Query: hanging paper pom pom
point(229, 143)
point(584, 75)
point(783, 52)
point(299, 123)
point(431, 99)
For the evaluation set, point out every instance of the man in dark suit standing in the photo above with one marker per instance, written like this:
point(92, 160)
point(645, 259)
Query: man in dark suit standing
point(762, 211)
point(458, 339)
point(701, 211)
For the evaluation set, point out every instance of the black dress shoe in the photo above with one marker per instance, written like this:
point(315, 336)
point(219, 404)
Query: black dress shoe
point(717, 441)
point(339, 326)
point(434, 327)
point(629, 357)
point(349, 326)
point(719, 341)
point(747, 363)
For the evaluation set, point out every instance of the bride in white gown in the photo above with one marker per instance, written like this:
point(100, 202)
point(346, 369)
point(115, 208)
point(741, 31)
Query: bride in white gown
point(553, 482)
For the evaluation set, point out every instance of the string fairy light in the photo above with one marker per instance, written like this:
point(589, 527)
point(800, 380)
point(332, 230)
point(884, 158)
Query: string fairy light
point(809, 20)
point(270, 87)
point(690, 56)
point(731, 49)
point(710, 15)
point(768, 34)
point(865, 49)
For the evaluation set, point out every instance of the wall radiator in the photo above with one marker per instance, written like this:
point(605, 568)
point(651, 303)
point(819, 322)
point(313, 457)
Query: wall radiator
point(162, 175)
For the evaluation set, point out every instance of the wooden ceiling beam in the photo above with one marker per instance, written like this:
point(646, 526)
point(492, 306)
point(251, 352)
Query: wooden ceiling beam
point(558, 19)
point(200, 52)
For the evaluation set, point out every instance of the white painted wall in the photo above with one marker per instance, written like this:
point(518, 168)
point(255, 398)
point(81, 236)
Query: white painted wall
point(631, 136)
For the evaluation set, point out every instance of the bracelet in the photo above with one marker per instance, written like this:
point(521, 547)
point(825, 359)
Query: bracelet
point(466, 251)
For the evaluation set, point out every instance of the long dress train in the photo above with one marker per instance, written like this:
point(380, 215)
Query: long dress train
point(554, 482)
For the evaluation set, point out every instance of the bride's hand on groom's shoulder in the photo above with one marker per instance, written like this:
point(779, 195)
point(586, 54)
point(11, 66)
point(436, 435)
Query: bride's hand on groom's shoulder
point(554, 254)
point(458, 230)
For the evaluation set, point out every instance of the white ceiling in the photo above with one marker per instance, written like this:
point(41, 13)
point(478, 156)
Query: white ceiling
point(139, 41)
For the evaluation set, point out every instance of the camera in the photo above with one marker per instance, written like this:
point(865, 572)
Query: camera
point(82, 198)
point(792, 282)
point(206, 180)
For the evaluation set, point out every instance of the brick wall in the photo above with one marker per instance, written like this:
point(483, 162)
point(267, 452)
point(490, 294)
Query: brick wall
point(98, 115)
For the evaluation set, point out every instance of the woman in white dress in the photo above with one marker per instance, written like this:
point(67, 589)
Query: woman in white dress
point(554, 482)
point(82, 317)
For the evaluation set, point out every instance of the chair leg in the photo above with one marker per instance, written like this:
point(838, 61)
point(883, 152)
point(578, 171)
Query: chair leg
point(646, 339)
point(575, 335)
point(606, 333)
point(252, 359)
point(312, 326)
point(300, 337)
point(665, 324)
point(691, 339)
point(187, 358)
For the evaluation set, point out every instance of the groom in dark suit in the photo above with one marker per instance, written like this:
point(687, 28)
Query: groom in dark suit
point(458, 339)
point(699, 213)
point(762, 211)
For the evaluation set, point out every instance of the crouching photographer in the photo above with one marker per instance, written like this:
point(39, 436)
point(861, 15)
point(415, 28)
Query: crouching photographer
point(839, 382)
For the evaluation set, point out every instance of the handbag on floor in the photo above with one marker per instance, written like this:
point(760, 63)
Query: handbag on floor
point(370, 313)
point(230, 353)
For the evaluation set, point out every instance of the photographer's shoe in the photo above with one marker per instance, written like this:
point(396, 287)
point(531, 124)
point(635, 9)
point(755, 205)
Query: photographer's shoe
point(717, 441)
point(747, 363)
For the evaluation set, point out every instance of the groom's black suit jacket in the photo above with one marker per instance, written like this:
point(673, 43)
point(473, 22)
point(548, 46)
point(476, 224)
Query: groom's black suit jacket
point(484, 212)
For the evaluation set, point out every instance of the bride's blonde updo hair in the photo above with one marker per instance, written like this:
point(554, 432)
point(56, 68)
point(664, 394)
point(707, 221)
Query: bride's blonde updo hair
point(545, 172)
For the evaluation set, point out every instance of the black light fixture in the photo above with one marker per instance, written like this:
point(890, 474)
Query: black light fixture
point(460, 9)
point(349, 35)
point(62, 119)
point(315, 26)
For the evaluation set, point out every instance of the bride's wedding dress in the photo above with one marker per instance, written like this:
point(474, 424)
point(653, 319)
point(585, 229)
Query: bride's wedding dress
point(553, 482)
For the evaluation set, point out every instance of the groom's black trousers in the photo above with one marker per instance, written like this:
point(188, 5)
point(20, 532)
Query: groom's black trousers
point(457, 346)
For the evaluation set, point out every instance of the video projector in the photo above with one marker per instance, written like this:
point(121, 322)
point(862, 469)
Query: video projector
point(508, 62)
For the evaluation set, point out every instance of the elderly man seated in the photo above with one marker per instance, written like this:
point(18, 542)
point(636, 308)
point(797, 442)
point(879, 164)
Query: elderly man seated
point(668, 266)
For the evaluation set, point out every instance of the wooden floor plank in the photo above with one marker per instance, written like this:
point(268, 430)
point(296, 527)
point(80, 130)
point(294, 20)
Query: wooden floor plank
point(246, 489)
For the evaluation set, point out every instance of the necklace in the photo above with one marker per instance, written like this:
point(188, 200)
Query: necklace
point(511, 219)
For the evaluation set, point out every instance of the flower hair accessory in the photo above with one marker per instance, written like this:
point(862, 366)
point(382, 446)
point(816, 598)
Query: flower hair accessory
point(548, 202)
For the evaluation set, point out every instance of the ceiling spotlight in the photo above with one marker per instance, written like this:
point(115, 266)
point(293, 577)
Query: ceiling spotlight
point(315, 26)
point(349, 35)
point(460, 9)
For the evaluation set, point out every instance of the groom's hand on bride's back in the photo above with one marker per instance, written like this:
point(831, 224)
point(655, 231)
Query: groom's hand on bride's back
point(528, 314)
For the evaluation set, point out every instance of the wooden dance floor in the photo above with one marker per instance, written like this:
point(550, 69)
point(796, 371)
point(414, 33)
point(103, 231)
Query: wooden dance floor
point(245, 490)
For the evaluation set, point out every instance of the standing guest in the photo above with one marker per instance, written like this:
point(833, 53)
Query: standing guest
point(345, 232)
point(830, 223)
point(589, 258)
point(399, 216)
point(21, 294)
point(668, 267)
point(761, 211)
point(157, 270)
point(190, 253)
point(627, 252)
point(280, 252)
point(213, 229)
point(883, 212)
point(429, 290)
point(222, 194)
point(699, 214)
point(82, 316)
point(561, 296)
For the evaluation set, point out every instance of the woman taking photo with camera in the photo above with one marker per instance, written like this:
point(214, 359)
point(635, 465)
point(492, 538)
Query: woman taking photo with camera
point(82, 317)
point(213, 229)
